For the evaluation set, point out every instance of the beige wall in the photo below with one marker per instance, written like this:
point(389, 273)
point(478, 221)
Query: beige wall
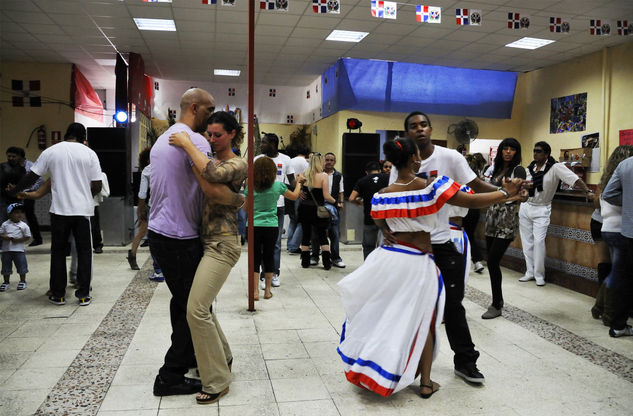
point(16, 123)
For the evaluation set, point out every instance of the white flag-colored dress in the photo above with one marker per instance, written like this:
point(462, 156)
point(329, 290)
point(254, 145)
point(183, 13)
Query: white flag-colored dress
point(395, 297)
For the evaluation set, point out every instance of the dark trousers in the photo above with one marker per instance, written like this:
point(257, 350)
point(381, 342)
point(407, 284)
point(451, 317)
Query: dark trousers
point(469, 223)
point(451, 264)
point(496, 248)
point(179, 260)
point(370, 237)
point(95, 229)
point(264, 246)
point(29, 213)
point(61, 228)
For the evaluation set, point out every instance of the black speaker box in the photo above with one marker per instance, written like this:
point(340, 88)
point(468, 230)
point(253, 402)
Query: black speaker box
point(358, 150)
point(111, 146)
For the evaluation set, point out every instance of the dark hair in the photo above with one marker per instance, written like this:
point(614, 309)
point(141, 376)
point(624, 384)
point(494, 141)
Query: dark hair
point(399, 150)
point(272, 139)
point(143, 158)
point(264, 173)
point(498, 162)
point(546, 147)
point(415, 113)
point(229, 123)
point(16, 150)
point(75, 131)
point(373, 165)
point(329, 153)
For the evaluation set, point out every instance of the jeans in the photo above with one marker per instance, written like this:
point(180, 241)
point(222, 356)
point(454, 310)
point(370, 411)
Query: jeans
point(451, 264)
point(61, 228)
point(295, 231)
point(16, 257)
point(620, 281)
point(370, 237)
point(179, 260)
point(496, 248)
point(241, 222)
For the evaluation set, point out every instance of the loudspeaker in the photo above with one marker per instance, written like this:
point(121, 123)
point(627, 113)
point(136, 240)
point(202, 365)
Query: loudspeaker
point(111, 146)
point(358, 150)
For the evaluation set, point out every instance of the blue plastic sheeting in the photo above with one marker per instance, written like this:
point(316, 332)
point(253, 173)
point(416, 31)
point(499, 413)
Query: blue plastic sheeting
point(358, 84)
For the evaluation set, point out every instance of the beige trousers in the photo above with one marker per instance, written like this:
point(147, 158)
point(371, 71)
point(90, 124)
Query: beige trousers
point(221, 252)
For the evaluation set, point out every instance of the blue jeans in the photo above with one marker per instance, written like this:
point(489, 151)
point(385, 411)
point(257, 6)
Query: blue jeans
point(294, 236)
point(620, 280)
point(334, 232)
point(241, 222)
point(16, 257)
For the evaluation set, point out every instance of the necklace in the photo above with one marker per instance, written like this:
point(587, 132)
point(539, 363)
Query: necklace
point(405, 184)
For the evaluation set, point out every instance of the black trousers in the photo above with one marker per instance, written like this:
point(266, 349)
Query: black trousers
point(61, 227)
point(451, 264)
point(29, 213)
point(496, 248)
point(95, 229)
point(264, 246)
point(470, 225)
point(179, 260)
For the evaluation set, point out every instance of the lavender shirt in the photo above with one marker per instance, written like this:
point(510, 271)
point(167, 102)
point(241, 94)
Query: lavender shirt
point(177, 199)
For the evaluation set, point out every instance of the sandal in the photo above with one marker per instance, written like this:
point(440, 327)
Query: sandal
point(21, 285)
point(270, 295)
point(433, 387)
point(209, 398)
point(4, 287)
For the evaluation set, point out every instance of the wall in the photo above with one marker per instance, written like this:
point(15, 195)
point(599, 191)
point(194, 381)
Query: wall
point(16, 123)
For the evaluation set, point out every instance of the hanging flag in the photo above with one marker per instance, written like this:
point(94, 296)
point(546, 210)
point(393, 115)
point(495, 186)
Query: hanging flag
point(279, 5)
point(515, 21)
point(428, 14)
point(229, 3)
point(209, 2)
point(391, 9)
point(475, 17)
point(27, 93)
point(326, 6)
point(462, 18)
point(378, 8)
point(334, 7)
point(558, 25)
point(598, 27)
point(623, 28)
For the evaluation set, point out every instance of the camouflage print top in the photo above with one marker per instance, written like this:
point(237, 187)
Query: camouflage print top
point(216, 218)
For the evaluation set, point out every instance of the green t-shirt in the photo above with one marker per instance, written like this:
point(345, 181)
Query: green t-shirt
point(265, 204)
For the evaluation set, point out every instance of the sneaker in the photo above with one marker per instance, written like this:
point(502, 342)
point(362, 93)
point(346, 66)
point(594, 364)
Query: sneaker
point(479, 268)
point(314, 261)
point(275, 282)
point(295, 251)
point(21, 285)
point(470, 373)
point(157, 277)
point(540, 281)
point(339, 263)
point(526, 278)
point(4, 287)
point(56, 301)
point(627, 331)
point(85, 301)
point(262, 283)
point(186, 386)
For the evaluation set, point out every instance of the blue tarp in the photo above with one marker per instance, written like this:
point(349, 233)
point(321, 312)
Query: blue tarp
point(359, 84)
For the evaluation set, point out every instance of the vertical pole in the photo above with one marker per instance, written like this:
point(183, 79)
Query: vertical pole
point(251, 125)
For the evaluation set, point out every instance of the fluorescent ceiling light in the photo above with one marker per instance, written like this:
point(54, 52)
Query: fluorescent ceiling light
point(529, 43)
point(346, 36)
point(106, 62)
point(227, 72)
point(167, 25)
point(157, 1)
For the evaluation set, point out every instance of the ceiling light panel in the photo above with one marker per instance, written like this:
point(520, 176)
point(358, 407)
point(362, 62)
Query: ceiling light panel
point(529, 43)
point(346, 36)
point(165, 25)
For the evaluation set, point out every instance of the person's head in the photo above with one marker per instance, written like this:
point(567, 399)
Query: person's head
point(417, 126)
point(301, 149)
point(372, 167)
point(16, 212)
point(508, 156)
point(315, 166)
point(15, 155)
point(224, 131)
point(270, 144)
point(386, 167)
point(264, 173)
point(619, 154)
point(143, 158)
point(542, 150)
point(196, 106)
point(330, 161)
point(402, 152)
point(76, 132)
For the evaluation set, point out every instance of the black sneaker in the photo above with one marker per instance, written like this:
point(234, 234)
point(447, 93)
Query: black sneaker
point(186, 386)
point(57, 301)
point(470, 373)
point(85, 301)
point(627, 331)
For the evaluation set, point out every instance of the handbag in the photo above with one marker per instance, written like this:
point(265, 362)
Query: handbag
point(322, 211)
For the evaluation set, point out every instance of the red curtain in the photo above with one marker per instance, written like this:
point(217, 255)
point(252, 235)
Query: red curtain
point(139, 91)
point(84, 98)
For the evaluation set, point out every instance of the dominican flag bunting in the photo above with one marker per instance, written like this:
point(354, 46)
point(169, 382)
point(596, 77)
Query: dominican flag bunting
point(623, 28)
point(515, 21)
point(475, 17)
point(209, 2)
point(279, 5)
point(558, 25)
point(428, 14)
point(391, 10)
point(462, 18)
point(599, 27)
point(326, 6)
point(26, 93)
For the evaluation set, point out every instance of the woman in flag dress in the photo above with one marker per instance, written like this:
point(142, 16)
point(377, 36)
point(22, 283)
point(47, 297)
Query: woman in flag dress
point(394, 301)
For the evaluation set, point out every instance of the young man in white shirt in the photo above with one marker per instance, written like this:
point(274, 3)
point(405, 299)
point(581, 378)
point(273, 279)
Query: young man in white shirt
point(534, 214)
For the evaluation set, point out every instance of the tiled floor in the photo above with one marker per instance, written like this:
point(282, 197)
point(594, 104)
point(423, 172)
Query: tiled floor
point(546, 356)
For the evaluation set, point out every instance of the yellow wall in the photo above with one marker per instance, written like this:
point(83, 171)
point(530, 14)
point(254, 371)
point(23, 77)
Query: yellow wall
point(16, 123)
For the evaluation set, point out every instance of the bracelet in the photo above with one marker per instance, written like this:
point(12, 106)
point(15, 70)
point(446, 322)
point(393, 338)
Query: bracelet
point(503, 191)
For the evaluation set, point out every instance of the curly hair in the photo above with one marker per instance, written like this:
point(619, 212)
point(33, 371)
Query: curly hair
point(229, 124)
point(264, 173)
point(619, 154)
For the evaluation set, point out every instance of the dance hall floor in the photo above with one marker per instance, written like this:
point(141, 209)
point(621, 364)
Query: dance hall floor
point(545, 356)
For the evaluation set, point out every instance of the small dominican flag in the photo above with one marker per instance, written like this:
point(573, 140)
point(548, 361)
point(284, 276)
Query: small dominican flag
point(231, 92)
point(462, 18)
point(26, 93)
point(514, 20)
point(428, 14)
point(279, 5)
point(377, 8)
point(319, 6)
point(209, 2)
point(556, 24)
point(623, 28)
point(272, 92)
point(290, 119)
point(595, 27)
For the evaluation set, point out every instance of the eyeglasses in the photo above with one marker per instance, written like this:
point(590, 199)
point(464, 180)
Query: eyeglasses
point(538, 150)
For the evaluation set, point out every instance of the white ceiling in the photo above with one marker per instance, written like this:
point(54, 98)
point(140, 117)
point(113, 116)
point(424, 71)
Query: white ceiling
point(290, 47)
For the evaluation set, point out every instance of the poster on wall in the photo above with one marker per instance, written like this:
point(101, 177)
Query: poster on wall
point(626, 137)
point(592, 141)
point(568, 113)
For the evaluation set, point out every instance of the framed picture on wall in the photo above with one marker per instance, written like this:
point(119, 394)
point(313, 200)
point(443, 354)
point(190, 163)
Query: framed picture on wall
point(568, 113)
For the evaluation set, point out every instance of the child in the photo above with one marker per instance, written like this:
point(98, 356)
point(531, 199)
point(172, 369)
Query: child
point(14, 233)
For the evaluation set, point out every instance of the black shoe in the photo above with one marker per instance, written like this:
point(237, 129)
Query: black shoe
point(145, 243)
point(57, 301)
point(85, 301)
point(470, 373)
point(35, 243)
point(186, 386)
point(131, 259)
point(98, 250)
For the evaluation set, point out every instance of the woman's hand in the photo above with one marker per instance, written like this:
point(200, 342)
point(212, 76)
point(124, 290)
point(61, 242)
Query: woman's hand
point(512, 186)
point(301, 179)
point(25, 195)
point(180, 139)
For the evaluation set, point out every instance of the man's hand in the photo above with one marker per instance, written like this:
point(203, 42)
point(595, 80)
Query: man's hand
point(388, 237)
